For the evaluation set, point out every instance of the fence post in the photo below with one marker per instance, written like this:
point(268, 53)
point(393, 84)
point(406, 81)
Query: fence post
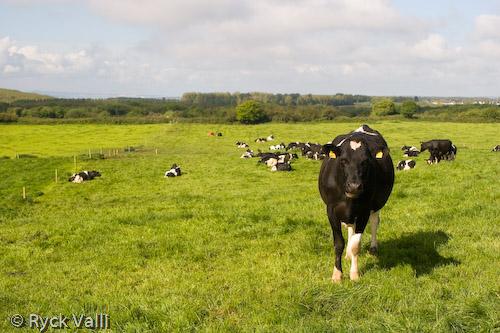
point(74, 162)
point(24, 193)
point(56, 176)
point(90, 153)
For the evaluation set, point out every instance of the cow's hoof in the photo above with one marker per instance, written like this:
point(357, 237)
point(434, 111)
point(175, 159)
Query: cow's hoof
point(337, 276)
point(354, 276)
point(373, 250)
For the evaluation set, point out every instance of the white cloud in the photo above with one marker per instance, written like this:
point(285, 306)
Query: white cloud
point(433, 48)
point(11, 69)
point(316, 46)
point(487, 27)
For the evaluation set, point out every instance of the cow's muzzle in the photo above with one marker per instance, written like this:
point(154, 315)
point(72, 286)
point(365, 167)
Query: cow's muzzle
point(353, 190)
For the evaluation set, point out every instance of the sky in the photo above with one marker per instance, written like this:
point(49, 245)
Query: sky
point(164, 48)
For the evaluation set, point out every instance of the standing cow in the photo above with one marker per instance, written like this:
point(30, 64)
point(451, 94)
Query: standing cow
point(439, 149)
point(355, 181)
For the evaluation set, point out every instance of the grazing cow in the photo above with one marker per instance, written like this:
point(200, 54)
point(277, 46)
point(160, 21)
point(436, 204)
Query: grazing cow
point(282, 167)
point(270, 138)
point(210, 134)
point(496, 148)
point(247, 154)
point(219, 134)
point(261, 140)
point(83, 176)
point(174, 171)
point(439, 149)
point(406, 165)
point(355, 181)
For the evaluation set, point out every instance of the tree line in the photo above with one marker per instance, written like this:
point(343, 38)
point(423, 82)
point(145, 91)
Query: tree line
point(223, 107)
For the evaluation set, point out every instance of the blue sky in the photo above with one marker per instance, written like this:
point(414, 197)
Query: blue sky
point(166, 48)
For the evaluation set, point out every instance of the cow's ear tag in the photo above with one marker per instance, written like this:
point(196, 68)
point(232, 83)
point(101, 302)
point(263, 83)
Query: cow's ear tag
point(332, 155)
point(380, 154)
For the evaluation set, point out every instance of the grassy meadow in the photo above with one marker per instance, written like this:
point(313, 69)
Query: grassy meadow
point(231, 246)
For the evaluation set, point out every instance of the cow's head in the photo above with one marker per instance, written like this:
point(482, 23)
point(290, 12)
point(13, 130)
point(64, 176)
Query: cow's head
point(355, 161)
point(424, 146)
point(94, 173)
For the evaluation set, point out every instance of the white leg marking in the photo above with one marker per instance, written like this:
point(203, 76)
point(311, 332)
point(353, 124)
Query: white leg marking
point(355, 248)
point(350, 232)
point(337, 275)
point(374, 221)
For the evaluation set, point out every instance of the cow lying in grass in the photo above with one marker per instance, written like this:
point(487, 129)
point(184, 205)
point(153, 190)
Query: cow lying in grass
point(406, 165)
point(83, 176)
point(174, 171)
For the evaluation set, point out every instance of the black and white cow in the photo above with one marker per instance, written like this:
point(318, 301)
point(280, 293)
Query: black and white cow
point(266, 156)
point(278, 146)
point(295, 145)
point(247, 154)
point(260, 140)
point(241, 144)
point(83, 176)
point(439, 149)
point(496, 148)
point(410, 151)
point(355, 182)
point(270, 138)
point(282, 167)
point(174, 171)
point(406, 165)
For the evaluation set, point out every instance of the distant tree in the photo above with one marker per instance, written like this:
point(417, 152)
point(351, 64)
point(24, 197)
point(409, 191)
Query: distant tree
point(383, 108)
point(250, 112)
point(409, 108)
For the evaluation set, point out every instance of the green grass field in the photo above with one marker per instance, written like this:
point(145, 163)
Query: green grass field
point(231, 246)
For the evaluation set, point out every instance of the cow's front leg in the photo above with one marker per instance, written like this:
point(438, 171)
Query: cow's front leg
point(350, 233)
point(338, 244)
point(355, 247)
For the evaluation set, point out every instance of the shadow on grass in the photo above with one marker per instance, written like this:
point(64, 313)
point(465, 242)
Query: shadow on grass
point(416, 249)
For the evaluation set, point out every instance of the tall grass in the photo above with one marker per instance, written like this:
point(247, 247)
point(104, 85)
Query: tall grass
point(230, 246)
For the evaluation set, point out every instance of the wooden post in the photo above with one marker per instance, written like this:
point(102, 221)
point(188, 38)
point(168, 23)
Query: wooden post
point(74, 162)
point(101, 151)
point(90, 153)
point(56, 176)
point(24, 193)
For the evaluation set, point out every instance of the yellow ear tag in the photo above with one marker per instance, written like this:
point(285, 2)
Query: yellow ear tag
point(332, 155)
point(379, 155)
